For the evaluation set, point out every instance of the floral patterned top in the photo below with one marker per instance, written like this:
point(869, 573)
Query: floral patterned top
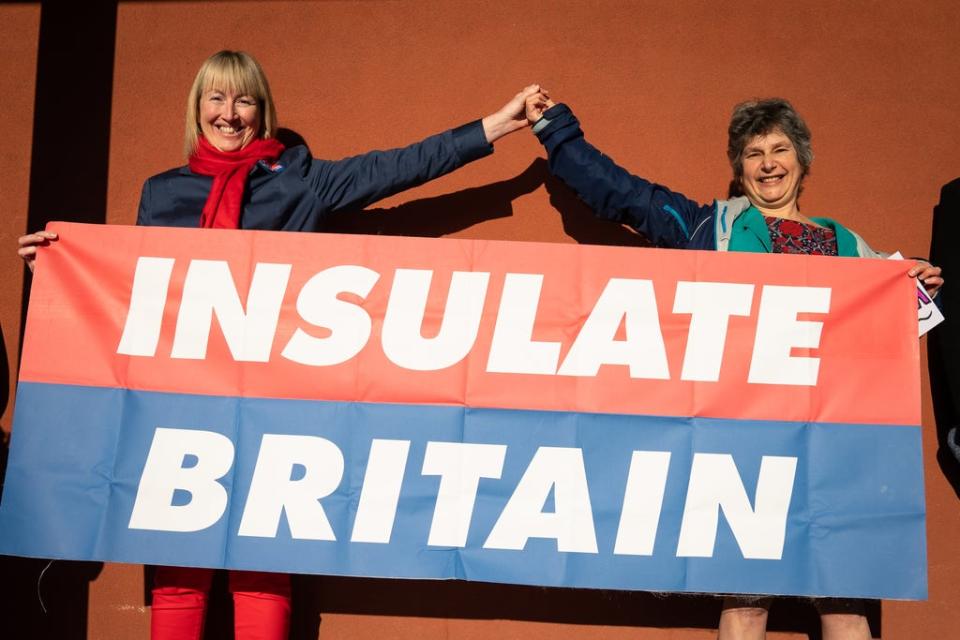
point(791, 236)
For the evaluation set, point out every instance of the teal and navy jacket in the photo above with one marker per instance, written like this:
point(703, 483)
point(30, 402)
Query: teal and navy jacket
point(665, 217)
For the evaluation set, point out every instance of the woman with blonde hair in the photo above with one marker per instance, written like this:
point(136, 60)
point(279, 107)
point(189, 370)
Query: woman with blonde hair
point(239, 175)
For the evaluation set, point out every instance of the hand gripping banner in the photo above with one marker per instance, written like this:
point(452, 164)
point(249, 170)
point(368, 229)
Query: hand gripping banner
point(506, 412)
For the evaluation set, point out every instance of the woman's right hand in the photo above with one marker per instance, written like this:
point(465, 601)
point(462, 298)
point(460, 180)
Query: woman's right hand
point(536, 104)
point(30, 242)
point(510, 117)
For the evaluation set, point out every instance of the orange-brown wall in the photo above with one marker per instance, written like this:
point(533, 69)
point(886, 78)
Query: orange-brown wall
point(653, 84)
point(19, 29)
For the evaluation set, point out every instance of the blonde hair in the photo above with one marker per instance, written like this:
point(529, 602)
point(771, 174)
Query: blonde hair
point(236, 72)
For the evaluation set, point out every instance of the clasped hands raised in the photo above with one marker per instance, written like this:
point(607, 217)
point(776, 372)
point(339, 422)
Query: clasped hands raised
point(523, 110)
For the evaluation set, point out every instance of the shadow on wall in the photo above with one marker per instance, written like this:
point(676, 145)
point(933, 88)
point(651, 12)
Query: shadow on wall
point(580, 224)
point(453, 212)
point(74, 58)
point(446, 214)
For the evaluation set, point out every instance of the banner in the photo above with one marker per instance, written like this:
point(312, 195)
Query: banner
point(505, 412)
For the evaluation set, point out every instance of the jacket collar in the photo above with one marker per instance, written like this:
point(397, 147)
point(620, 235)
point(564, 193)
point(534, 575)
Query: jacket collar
point(751, 221)
point(727, 213)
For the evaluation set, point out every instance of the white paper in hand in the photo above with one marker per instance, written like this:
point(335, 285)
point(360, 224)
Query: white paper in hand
point(928, 314)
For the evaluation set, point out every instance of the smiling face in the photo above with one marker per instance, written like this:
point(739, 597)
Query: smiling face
point(772, 173)
point(228, 121)
point(229, 103)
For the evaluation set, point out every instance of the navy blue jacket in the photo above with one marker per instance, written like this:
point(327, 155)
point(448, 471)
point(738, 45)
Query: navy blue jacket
point(666, 218)
point(298, 192)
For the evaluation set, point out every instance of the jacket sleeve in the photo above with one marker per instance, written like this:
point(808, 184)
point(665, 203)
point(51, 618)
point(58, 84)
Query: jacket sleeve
point(144, 211)
point(666, 218)
point(353, 183)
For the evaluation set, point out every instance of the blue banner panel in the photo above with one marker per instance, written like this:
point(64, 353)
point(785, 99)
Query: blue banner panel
point(447, 492)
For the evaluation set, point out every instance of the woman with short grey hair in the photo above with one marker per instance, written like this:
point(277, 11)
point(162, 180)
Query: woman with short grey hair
point(758, 117)
point(770, 154)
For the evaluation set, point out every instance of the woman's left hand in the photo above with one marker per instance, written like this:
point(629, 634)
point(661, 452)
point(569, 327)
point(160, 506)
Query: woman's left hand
point(29, 244)
point(511, 116)
point(929, 275)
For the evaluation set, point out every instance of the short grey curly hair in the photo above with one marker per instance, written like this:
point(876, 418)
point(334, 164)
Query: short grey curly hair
point(759, 117)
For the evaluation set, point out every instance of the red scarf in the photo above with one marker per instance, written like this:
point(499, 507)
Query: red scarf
point(230, 171)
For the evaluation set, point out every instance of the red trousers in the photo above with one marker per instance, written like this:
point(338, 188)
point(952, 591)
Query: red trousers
point(261, 604)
